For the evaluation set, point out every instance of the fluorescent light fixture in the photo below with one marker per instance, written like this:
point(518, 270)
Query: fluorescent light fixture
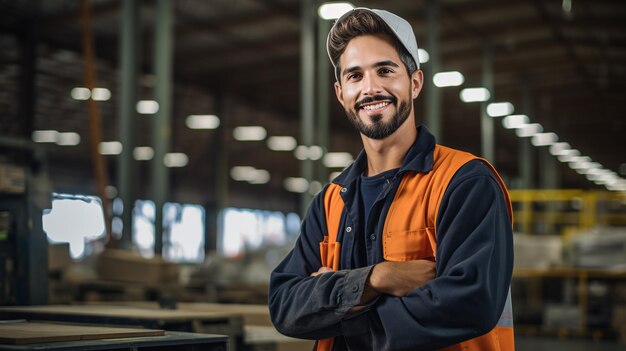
point(334, 10)
point(68, 139)
point(80, 93)
point(499, 109)
point(338, 159)
point(576, 159)
point(313, 152)
point(544, 139)
point(249, 133)
point(250, 174)
point(561, 148)
point(423, 55)
point(101, 94)
point(529, 130)
point(514, 121)
point(475, 94)
point(202, 122)
point(45, 136)
point(143, 153)
point(281, 143)
point(147, 107)
point(568, 155)
point(175, 159)
point(584, 165)
point(296, 184)
point(448, 79)
point(241, 173)
point(110, 148)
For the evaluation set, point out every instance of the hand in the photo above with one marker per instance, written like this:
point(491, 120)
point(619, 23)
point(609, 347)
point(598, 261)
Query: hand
point(321, 270)
point(399, 278)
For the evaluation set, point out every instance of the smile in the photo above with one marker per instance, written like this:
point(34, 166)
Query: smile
point(375, 106)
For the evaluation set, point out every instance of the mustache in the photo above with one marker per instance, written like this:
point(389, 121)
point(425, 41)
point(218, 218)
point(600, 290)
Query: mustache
point(370, 99)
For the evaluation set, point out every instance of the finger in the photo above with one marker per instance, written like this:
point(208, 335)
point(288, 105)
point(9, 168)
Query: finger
point(324, 270)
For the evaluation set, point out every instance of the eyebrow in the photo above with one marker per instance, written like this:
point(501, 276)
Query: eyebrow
point(377, 64)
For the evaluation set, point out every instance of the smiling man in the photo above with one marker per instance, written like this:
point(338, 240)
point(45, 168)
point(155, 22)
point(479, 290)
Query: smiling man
point(410, 248)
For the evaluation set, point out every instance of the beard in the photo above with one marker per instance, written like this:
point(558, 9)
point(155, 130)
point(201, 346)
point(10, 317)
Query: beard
point(379, 129)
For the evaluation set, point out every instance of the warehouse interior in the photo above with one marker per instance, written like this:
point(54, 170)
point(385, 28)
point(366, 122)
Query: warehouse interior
point(157, 158)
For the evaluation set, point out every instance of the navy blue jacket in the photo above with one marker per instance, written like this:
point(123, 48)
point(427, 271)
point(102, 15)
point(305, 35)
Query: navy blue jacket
point(466, 298)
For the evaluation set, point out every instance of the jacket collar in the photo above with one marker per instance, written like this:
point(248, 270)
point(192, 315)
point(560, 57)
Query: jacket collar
point(419, 158)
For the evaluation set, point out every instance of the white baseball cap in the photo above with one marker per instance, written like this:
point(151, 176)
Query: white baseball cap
point(398, 25)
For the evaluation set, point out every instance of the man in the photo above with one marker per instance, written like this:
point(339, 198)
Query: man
point(362, 273)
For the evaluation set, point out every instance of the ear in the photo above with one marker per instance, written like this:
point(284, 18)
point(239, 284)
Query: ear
point(417, 78)
point(339, 93)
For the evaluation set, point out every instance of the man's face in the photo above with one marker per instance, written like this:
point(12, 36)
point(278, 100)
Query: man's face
point(376, 91)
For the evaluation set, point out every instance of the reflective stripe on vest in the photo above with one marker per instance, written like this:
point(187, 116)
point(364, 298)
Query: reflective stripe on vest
point(409, 233)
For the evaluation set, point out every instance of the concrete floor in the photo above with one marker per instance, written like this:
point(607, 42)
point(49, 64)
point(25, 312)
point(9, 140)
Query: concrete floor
point(552, 344)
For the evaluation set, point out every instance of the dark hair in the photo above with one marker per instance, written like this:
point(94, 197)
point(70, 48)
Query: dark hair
point(361, 22)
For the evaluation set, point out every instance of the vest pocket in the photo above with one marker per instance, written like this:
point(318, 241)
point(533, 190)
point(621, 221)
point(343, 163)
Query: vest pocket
point(408, 245)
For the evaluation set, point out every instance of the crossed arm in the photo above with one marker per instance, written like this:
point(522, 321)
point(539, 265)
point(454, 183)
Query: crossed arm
point(392, 278)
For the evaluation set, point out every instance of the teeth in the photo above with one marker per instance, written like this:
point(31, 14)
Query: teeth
point(376, 106)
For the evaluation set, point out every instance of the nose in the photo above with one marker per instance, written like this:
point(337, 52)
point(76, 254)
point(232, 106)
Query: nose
point(371, 85)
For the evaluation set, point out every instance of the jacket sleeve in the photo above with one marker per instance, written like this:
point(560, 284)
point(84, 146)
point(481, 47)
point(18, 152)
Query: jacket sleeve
point(474, 268)
point(312, 307)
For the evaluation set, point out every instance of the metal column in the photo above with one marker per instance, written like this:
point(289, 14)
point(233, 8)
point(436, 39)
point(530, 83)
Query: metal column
point(433, 94)
point(323, 86)
point(527, 159)
point(486, 122)
point(307, 91)
point(127, 115)
point(161, 129)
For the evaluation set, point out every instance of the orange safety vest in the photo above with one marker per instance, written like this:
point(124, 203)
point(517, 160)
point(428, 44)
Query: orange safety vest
point(409, 215)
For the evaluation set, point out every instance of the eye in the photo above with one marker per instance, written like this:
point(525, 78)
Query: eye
point(353, 76)
point(385, 70)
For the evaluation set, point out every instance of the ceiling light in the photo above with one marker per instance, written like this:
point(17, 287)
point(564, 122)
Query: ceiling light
point(475, 94)
point(281, 143)
point(100, 94)
point(296, 184)
point(338, 159)
point(334, 10)
point(568, 155)
point(202, 122)
point(560, 148)
point(544, 139)
point(143, 153)
point(249, 133)
point(499, 109)
point(529, 130)
point(45, 136)
point(147, 107)
point(448, 79)
point(313, 152)
point(250, 174)
point(175, 159)
point(68, 139)
point(110, 148)
point(80, 93)
point(514, 121)
point(423, 55)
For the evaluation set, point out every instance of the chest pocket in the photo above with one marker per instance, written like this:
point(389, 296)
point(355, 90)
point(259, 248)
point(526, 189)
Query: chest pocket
point(407, 245)
point(409, 232)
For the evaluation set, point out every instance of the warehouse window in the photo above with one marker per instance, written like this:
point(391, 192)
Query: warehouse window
point(183, 226)
point(75, 219)
point(247, 229)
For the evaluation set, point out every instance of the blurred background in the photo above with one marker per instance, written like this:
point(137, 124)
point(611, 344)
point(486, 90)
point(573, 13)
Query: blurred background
point(160, 152)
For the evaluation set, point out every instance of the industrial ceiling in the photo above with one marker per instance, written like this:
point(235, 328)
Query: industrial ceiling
point(563, 63)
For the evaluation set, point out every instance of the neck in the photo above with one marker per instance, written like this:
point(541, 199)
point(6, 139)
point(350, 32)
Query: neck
point(388, 153)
